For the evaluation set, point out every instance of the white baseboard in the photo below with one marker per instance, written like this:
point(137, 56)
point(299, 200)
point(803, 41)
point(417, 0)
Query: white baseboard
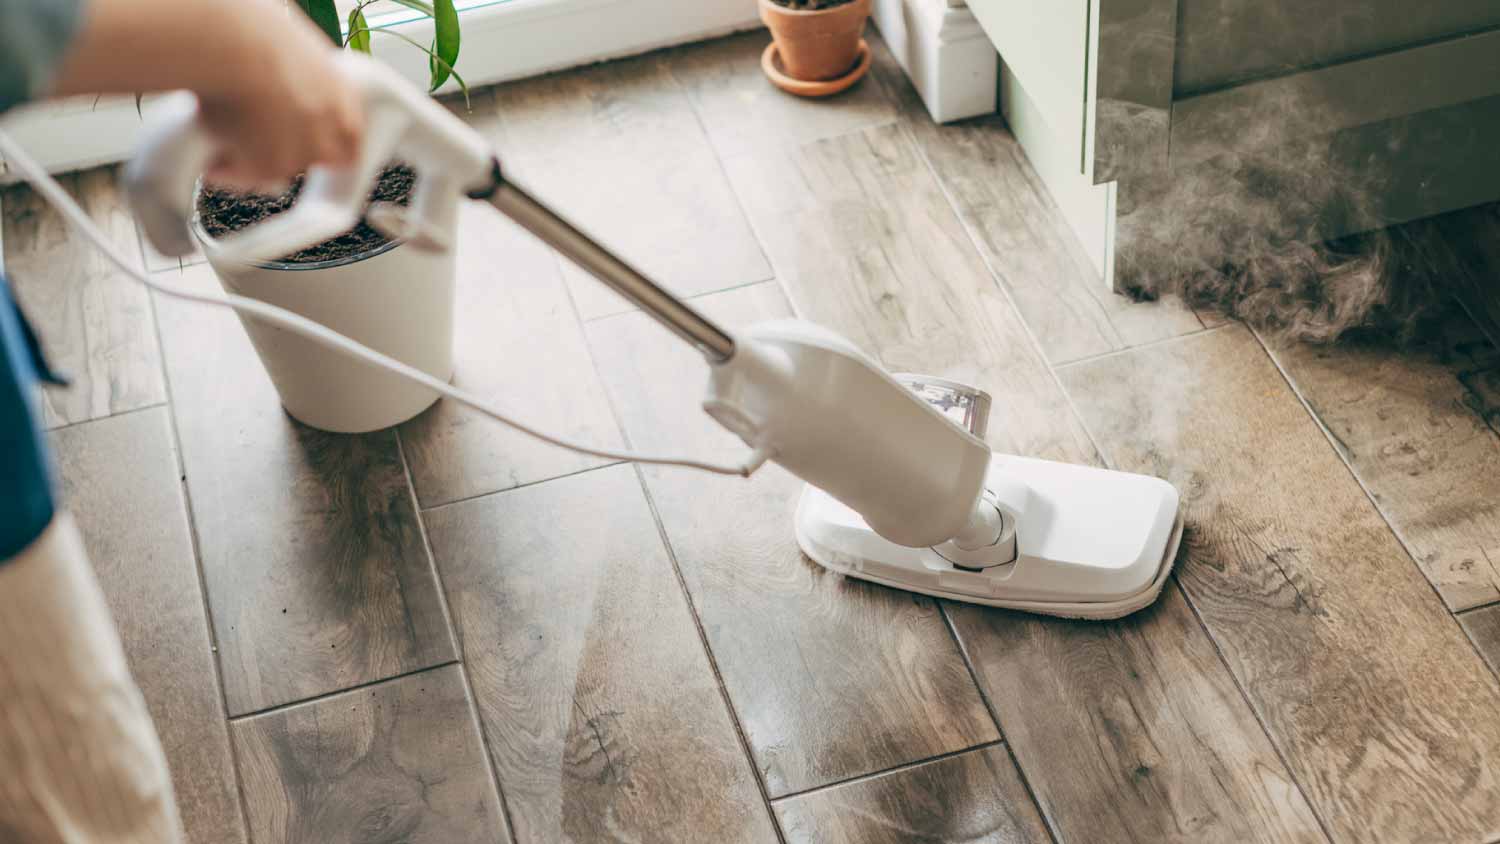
point(502, 41)
point(940, 45)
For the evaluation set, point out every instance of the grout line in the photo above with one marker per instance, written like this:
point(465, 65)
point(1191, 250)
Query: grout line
point(1052, 832)
point(705, 294)
point(1103, 457)
point(1239, 686)
point(1410, 552)
point(906, 132)
point(1192, 606)
point(1015, 155)
point(1005, 293)
point(739, 202)
point(583, 334)
point(661, 533)
point(708, 654)
point(456, 640)
point(989, 705)
point(1481, 321)
point(196, 544)
point(894, 769)
point(1338, 451)
point(1149, 344)
point(478, 495)
point(1477, 607)
point(1234, 677)
point(322, 696)
point(182, 264)
point(166, 402)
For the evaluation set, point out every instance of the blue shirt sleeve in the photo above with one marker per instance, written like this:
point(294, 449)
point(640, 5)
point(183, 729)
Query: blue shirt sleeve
point(26, 503)
point(34, 34)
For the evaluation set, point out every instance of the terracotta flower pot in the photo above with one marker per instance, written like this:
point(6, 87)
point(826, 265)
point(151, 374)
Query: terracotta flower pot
point(816, 45)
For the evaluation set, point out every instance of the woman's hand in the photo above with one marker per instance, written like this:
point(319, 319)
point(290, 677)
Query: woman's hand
point(265, 77)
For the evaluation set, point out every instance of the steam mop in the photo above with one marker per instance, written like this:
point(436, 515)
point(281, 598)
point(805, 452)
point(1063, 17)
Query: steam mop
point(901, 488)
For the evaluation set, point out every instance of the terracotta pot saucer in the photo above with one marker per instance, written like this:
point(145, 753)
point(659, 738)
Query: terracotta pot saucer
point(770, 62)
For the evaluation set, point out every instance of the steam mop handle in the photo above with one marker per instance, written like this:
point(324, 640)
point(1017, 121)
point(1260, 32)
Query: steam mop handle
point(678, 316)
point(450, 158)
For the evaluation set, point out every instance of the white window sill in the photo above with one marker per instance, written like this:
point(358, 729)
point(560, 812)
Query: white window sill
point(502, 39)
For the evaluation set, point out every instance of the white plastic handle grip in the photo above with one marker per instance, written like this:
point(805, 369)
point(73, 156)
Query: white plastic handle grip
point(401, 122)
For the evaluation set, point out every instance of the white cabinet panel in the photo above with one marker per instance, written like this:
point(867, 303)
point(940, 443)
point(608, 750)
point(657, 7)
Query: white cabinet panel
point(1045, 45)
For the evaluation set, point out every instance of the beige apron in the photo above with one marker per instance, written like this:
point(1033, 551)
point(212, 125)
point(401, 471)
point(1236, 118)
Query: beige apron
point(79, 759)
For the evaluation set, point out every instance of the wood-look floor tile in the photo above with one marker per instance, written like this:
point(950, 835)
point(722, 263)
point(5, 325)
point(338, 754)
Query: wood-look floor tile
point(157, 262)
point(1483, 395)
point(1023, 236)
point(518, 343)
point(119, 479)
point(316, 573)
point(1399, 419)
point(1380, 707)
point(973, 797)
point(599, 703)
point(1483, 626)
point(618, 149)
point(94, 323)
point(801, 650)
point(860, 233)
point(1212, 317)
point(400, 761)
point(743, 112)
point(1144, 705)
point(864, 241)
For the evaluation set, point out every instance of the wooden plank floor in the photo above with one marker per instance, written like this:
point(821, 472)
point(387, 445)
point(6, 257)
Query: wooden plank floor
point(603, 716)
point(1406, 424)
point(976, 795)
point(622, 151)
point(452, 633)
point(120, 477)
point(800, 650)
point(98, 328)
point(1342, 646)
point(1022, 238)
point(313, 561)
point(397, 761)
point(512, 308)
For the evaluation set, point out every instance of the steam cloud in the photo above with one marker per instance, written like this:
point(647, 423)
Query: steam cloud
point(1241, 232)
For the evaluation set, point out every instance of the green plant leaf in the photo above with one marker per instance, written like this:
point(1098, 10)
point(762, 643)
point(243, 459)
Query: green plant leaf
point(463, 86)
point(326, 16)
point(444, 52)
point(359, 30)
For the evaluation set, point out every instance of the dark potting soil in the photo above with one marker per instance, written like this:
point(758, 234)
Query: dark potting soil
point(810, 5)
point(223, 210)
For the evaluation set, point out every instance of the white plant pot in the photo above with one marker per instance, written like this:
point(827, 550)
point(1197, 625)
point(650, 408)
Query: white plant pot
point(396, 299)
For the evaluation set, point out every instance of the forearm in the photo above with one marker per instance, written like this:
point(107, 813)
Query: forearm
point(269, 88)
point(125, 46)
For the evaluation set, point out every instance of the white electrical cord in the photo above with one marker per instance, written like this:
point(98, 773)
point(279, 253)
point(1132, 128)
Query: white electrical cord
point(48, 187)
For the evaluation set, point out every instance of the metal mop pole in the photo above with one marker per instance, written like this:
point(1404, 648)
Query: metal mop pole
point(675, 314)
